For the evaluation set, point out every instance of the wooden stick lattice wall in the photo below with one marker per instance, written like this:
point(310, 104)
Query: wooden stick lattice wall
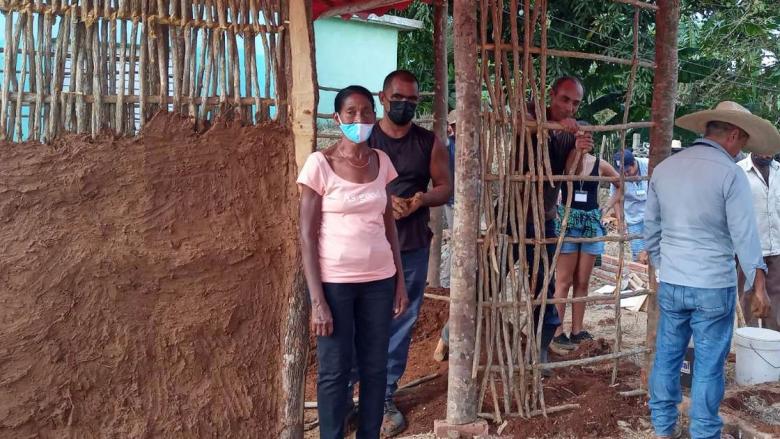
point(89, 65)
point(508, 343)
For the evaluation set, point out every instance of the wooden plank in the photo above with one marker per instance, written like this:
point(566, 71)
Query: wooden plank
point(440, 70)
point(662, 113)
point(461, 387)
point(303, 98)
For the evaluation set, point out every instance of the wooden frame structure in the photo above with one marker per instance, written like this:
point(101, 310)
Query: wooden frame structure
point(92, 65)
point(510, 199)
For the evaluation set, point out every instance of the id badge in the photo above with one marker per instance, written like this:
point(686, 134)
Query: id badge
point(581, 196)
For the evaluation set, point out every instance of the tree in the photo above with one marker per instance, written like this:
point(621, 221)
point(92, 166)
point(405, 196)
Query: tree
point(729, 50)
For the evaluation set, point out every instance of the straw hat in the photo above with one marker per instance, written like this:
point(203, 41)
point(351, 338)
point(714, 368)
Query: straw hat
point(764, 137)
point(452, 117)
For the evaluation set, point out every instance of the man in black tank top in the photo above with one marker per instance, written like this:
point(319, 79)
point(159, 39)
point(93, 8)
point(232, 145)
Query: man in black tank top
point(419, 158)
point(565, 98)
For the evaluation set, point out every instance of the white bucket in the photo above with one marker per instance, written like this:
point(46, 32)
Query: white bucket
point(758, 355)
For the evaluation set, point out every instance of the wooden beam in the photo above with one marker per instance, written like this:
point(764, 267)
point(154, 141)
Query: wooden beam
point(303, 98)
point(441, 91)
point(638, 4)
point(572, 54)
point(461, 388)
point(361, 6)
point(662, 113)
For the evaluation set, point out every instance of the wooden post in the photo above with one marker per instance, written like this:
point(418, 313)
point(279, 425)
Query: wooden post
point(461, 390)
point(439, 127)
point(303, 107)
point(664, 92)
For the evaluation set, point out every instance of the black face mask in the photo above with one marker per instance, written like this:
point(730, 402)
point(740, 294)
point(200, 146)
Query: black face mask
point(401, 112)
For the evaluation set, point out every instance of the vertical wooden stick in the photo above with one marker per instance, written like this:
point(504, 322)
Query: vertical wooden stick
point(111, 68)
point(119, 109)
point(17, 133)
point(461, 392)
point(38, 51)
point(97, 107)
point(161, 43)
point(134, 69)
point(664, 93)
point(143, 81)
point(176, 51)
point(7, 66)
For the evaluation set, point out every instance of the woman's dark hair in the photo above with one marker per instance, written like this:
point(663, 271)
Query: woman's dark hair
point(349, 91)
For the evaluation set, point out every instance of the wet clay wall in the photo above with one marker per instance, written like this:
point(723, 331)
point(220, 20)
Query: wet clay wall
point(143, 282)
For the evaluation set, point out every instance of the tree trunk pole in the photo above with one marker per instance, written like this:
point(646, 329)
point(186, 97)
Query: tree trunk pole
point(461, 390)
point(303, 108)
point(664, 95)
point(439, 127)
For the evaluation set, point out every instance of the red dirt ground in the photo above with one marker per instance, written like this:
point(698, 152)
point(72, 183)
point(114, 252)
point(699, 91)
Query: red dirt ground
point(601, 405)
point(739, 403)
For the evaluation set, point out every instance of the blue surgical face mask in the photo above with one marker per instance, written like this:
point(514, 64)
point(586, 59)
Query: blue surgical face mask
point(356, 132)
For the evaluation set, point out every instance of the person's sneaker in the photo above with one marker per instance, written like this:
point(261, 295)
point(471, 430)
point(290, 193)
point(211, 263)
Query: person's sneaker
point(580, 337)
point(351, 417)
point(393, 423)
point(441, 351)
point(563, 342)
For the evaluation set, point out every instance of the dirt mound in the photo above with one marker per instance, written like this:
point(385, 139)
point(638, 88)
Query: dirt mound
point(143, 282)
point(586, 349)
point(760, 406)
point(602, 412)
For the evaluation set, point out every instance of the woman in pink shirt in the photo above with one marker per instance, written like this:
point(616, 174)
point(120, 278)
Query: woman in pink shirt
point(352, 264)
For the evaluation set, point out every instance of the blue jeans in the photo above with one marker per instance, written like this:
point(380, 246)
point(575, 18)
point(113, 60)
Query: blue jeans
point(708, 314)
point(415, 263)
point(361, 318)
point(637, 245)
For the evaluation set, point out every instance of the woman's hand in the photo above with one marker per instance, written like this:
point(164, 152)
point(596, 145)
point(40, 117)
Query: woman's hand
point(321, 320)
point(401, 301)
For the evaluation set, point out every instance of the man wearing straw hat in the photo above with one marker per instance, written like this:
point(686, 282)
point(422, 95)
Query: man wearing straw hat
point(699, 214)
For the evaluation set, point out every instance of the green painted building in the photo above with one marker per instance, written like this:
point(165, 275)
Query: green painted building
point(360, 51)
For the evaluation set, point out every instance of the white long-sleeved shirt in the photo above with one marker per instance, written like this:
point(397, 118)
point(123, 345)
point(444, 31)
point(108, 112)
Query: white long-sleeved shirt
point(766, 202)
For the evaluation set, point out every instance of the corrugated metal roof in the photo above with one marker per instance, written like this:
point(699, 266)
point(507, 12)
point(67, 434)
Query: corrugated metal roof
point(321, 6)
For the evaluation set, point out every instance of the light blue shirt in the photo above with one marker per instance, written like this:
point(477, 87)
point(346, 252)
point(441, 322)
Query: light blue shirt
point(635, 196)
point(699, 214)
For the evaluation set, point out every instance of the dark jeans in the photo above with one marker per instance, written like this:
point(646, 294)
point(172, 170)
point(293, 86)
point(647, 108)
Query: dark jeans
point(415, 263)
point(362, 313)
point(551, 320)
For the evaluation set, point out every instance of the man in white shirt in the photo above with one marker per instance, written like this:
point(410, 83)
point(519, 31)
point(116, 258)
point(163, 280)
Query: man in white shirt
point(763, 174)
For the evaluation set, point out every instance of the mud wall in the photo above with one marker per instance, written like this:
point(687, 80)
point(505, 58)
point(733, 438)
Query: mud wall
point(143, 282)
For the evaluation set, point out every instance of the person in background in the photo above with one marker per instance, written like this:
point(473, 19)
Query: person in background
point(566, 96)
point(352, 263)
point(633, 203)
point(442, 347)
point(452, 119)
point(699, 213)
point(576, 260)
point(763, 174)
point(421, 159)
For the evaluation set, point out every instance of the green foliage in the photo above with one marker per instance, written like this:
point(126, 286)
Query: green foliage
point(728, 50)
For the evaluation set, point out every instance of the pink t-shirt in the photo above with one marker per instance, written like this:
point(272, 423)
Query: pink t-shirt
point(353, 246)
